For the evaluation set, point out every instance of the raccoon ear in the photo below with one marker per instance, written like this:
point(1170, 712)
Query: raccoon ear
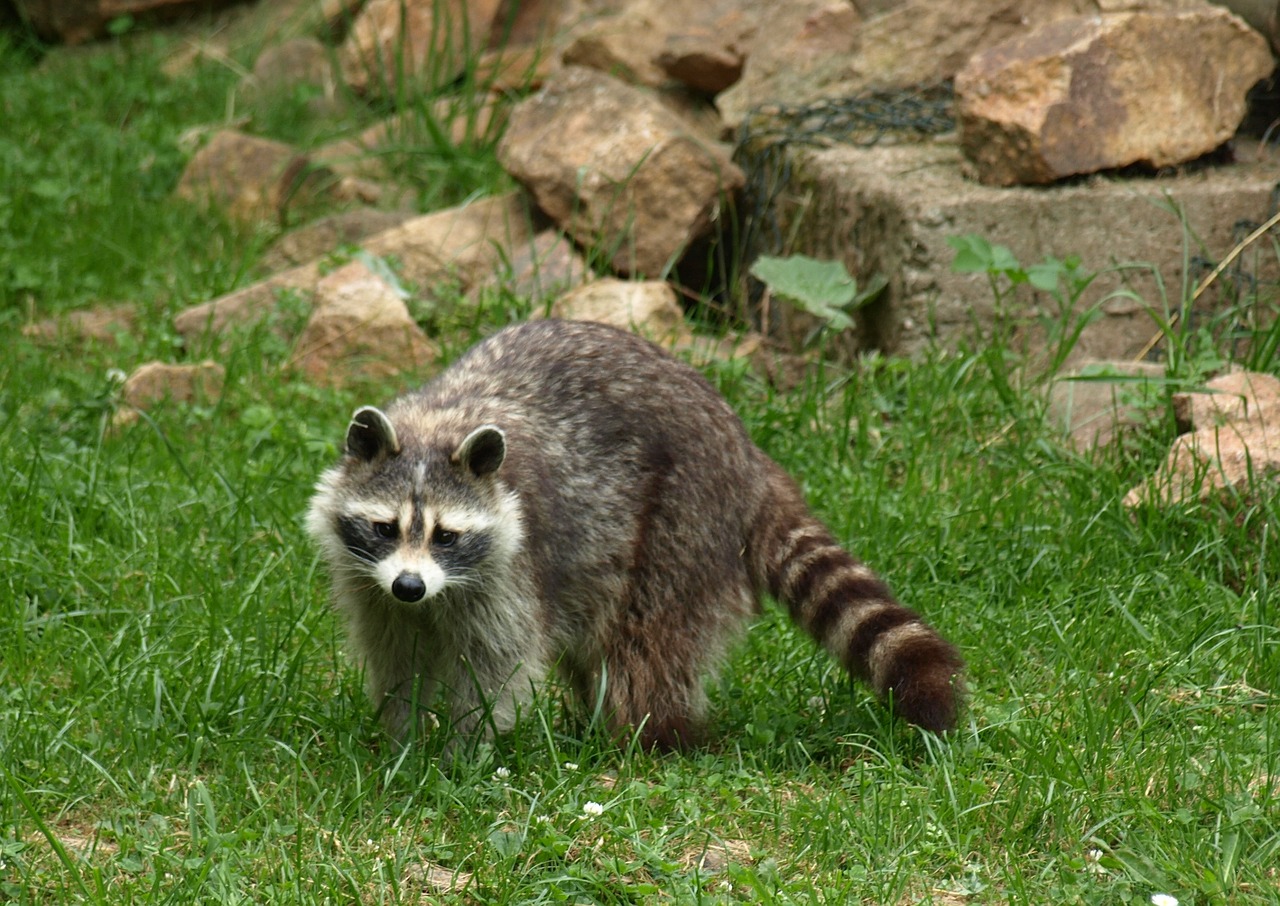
point(482, 451)
point(371, 434)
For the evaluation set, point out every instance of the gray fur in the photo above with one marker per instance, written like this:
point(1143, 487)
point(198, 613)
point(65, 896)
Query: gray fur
point(570, 496)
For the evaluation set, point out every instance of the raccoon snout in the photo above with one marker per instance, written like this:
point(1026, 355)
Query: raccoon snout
point(409, 588)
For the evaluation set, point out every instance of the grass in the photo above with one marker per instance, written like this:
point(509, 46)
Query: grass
point(178, 723)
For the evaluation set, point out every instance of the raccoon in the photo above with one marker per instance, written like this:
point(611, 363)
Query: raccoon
point(568, 497)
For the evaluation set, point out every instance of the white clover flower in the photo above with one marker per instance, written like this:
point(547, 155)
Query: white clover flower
point(571, 766)
point(502, 774)
point(1163, 899)
point(592, 810)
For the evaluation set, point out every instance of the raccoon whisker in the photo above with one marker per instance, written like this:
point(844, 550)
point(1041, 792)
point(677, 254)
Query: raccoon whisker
point(363, 555)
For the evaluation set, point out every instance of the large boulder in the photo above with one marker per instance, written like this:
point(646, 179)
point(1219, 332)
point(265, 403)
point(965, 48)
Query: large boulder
point(1098, 92)
point(616, 169)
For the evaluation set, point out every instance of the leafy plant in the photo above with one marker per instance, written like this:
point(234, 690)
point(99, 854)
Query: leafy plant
point(824, 289)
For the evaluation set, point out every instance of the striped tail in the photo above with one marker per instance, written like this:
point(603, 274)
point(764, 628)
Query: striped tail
point(851, 612)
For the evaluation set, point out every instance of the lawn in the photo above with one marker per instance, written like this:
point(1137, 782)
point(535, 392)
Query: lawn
point(179, 724)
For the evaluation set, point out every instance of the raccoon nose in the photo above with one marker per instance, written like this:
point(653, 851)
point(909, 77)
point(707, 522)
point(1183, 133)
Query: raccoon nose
point(409, 588)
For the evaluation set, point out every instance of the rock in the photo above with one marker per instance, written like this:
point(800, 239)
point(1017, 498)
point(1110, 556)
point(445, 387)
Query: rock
point(327, 234)
point(533, 22)
point(890, 210)
point(702, 65)
point(253, 27)
point(98, 326)
point(282, 69)
point(1093, 93)
point(797, 49)
point(253, 179)
point(78, 21)
point(160, 382)
point(1263, 15)
point(625, 45)
point(372, 154)
point(427, 42)
point(360, 327)
point(616, 169)
point(1100, 401)
point(1240, 396)
point(457, 246)
point(515, 69)
point(1235, 444)
point(543, 268)
point(648, 308)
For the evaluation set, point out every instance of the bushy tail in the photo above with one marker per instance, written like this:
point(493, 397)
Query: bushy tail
point(851, 612)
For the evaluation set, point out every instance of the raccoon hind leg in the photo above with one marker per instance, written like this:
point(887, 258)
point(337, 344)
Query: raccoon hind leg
point(658, 662)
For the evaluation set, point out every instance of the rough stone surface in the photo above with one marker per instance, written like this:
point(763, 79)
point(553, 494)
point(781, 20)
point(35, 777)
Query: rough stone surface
point(360, 327)
point(545, 267)
point(890, 210)
point(1263, 15)
point(282, 69)
point(427, 41)
point(797, 49)
point(1235, 443)
point(616, 169)
point(1229, 399)
point(457, 246)
point(158, 382)
point(647, 307)
point(625, 45)
point(1099, 402)
point(253, 179)
point(100, 326)
point(323, 236)
point(1093, 93)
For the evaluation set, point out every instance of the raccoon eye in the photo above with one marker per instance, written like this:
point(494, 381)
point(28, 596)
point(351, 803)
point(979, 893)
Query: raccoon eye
point(387, 530)
point(443, 537)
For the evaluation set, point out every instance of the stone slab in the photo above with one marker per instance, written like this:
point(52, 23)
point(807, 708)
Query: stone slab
point(890, 210)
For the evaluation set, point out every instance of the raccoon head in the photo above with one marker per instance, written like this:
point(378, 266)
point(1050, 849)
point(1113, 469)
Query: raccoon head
point(415, 519)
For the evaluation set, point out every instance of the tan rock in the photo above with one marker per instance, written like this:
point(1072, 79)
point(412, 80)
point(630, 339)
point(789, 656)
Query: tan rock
point(531, 22)
point(1092, 93)
point(616, 169)
point(1228, 399)
point(1235, 443)
point(704, 66)
point(793, 52)
point(626, 44)
point(1100, 401)
point(360, 327)
point(1264, 15)
point(374, 153)
point(507, 69)
point(543, 268)
point(1241, 457)
point(319, 238)
point(647, 307)
point(102, 325)
point(155, 383)
point(253, 179)
point(458, 246)
point(282, 69)
point(427, 42)
point(922, 42)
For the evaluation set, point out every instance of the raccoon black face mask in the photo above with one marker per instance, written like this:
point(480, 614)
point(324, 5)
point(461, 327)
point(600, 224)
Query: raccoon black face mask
point(568, 496)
